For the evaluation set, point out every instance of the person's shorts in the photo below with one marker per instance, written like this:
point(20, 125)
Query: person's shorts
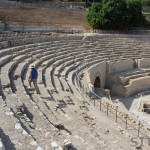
point(33, 80)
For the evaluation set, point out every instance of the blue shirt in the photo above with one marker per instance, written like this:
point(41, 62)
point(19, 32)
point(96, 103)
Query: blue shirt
point(34, 74)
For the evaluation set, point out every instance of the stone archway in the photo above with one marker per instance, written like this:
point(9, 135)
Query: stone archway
point(97, 83)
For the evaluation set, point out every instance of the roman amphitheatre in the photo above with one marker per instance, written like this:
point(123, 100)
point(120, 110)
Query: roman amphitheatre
point(93, 87)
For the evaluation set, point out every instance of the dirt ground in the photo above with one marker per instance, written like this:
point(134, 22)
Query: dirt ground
point(45, 17)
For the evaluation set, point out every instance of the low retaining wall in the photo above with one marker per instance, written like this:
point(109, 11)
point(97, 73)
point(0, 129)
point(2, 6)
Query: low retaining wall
point(111, 76)
point(144, 63)
point(98, 70)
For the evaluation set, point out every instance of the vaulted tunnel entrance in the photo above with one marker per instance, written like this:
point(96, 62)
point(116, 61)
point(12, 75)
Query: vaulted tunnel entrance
point(97, 83)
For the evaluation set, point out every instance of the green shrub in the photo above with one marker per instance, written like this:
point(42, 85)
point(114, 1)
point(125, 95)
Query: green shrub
point(116, 14)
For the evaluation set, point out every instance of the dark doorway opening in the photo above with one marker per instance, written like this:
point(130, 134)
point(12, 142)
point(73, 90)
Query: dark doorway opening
point(97, 83)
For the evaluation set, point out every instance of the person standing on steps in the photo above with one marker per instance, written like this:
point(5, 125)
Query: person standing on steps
point(33, 78)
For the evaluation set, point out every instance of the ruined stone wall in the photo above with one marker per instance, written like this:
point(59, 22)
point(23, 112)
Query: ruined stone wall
point(110, 72)
point(137, 85)
point(4, 44)
point(97, 70)
point(103, 69)
point(144, 63)
point(119, 66)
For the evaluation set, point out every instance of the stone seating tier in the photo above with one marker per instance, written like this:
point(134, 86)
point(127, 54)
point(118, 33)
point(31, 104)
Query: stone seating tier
point(56, 82)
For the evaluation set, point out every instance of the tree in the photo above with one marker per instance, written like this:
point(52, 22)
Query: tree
point(115, 14)
point(94, 15)
point(134, 13)
point(146, 2)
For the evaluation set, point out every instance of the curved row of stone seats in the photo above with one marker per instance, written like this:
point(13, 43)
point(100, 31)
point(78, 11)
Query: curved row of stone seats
point(47, 97)
point(11, 131)
point(9, 97)
point(41, 70)
point(34, 135)
point(78, 74)
point(69, 69)
point(123, 47)
point(77, 62)
point(43, 106)
point(17, 50)
point(18, 57)
point(124, 77)
point(56, 74)
point(44, 71)
point(136, 76)
point(8, 51)
point(5, 36)
point(43, 110)
point(11, 64)
point(5, 59)
point(56, 79)
point(58, 62)
point(37, 118)
point(6, 70)
point(36, 39)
